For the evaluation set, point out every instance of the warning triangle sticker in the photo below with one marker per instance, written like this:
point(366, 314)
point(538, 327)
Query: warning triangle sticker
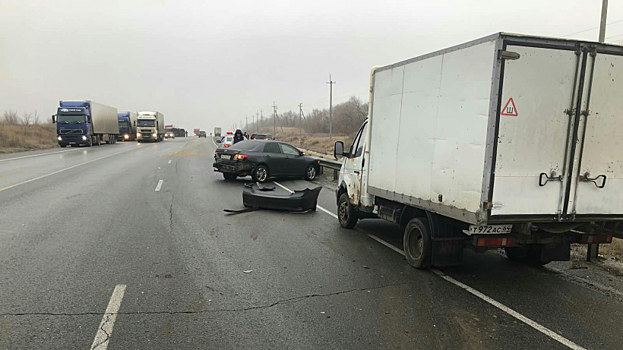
point(510, 109)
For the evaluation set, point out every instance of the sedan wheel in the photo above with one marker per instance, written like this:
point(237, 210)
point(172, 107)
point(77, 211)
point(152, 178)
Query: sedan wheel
point(310, 173)
point(260, 174)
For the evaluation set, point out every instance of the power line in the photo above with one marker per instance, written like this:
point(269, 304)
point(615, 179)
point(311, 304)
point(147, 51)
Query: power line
point(593, 28)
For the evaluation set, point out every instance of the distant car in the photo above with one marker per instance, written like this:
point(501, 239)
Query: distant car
point(169, 135)
point(202, 134)
point(264, 160)
point(265, 137)
point(227, 141)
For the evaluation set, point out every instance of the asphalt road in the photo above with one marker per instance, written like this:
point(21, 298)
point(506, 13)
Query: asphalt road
point(93, 256)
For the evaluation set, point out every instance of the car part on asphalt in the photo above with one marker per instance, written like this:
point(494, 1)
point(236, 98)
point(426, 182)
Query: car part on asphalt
point(256, 196)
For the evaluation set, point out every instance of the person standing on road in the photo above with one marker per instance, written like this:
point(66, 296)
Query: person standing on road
point(238, 136)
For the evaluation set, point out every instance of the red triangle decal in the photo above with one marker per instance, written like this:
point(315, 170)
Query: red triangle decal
point(510, 109)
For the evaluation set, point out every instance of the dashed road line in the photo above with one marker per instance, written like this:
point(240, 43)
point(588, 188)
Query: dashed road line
point(159, 185)
point(548, 332)
point(104, 332)
point(169, 161)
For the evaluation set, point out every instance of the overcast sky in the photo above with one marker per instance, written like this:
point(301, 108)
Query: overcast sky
point(209, 63)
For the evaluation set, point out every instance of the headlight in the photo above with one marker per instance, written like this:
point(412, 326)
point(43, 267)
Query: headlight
point(154, 135)
point(126, 136)
point(60, 138)
point(138, 134)
point(84, 138)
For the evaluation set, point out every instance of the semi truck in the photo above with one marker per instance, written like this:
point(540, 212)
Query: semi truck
point(127, 126)
point(508, 141)
point(150, 126)
point(217, 131)
point(86, 123)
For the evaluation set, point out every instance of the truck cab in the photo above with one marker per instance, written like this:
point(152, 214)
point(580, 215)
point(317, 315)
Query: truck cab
point(125, 128)
point(85, 123)
point(150, 127)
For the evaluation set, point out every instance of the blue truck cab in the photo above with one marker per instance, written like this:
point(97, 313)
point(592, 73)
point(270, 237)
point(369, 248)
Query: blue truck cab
point(125, 127)
point(85, 123)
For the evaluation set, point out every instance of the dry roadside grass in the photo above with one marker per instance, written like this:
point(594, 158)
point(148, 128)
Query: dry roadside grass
point(17, 138)
point(612, 251)
point(319, 143)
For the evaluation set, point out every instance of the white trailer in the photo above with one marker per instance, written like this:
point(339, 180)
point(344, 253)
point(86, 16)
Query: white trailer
point(507, 141)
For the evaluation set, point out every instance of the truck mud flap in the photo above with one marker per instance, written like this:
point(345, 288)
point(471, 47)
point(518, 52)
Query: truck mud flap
point(448, 241)
point(256, 196)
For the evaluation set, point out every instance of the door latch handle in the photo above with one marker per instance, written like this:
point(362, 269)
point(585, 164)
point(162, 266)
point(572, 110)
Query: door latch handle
point(356, 172)
point(544, 178)
point(586, 178)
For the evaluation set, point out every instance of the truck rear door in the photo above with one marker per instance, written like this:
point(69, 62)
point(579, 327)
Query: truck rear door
point(558, 151)
point(538, 91)
point(598, 166)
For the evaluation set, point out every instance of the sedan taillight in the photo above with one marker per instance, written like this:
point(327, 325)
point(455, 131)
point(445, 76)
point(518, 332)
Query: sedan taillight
point(241, 156)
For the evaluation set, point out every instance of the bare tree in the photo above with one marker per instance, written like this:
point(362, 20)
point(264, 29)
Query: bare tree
point(26, 118)
point(36, 119)
point(10, 117)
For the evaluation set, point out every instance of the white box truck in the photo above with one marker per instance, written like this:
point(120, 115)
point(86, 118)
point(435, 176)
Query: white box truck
point(150, 126)
point(508, 141)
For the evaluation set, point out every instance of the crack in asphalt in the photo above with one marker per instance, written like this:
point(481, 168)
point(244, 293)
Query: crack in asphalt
point(105, 340)
point(256, 307)
point(171, 214)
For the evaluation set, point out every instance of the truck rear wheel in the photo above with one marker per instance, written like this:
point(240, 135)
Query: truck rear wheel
point(346, 214)
point(417, 243)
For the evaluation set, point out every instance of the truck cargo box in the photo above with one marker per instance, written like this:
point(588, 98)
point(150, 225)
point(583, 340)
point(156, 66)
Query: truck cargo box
point(500, 129)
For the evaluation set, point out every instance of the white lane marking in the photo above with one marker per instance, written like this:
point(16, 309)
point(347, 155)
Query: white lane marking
point(60, 171)
point(478, 294)
point(511, 312)
point(388, 245)
point(169, 161)
point(38, 155)
point(104, 332)
point(317, 206)
point(159, 185)
point(493, 302)
point(326, 211)
point(282, 186)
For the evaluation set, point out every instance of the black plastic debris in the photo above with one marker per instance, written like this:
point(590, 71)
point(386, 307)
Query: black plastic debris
point(256, 196)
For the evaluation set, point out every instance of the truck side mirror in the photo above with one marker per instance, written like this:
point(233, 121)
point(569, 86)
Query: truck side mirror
point(53, 118)
point(338, 149)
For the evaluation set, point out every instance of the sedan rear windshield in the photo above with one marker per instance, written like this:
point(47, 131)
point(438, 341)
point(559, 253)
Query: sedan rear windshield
point(246, 146)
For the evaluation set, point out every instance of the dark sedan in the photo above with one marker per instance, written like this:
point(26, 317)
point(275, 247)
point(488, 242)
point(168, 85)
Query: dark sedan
point(263, 160)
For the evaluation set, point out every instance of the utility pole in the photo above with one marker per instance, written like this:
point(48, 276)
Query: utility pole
point(257, 115)
point(300, 118)
point(274, 119)
point(261, 117)
point(602, 24)
point(592, 251)
point(331, 82)
point(246, 125)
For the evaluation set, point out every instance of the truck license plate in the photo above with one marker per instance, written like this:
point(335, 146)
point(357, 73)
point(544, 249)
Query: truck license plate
point(489, 229)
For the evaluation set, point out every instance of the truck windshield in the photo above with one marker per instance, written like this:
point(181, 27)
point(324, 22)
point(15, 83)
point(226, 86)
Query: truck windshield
point(123, 123)
point(71, 119)
point(146, 123)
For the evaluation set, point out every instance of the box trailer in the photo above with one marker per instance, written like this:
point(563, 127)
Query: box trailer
point(507, 141)
point(84, 122)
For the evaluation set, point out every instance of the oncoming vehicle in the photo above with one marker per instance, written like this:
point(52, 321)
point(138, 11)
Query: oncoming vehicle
point(264, 137)
point(202, 134)
point(264, 160)
point(169, 134)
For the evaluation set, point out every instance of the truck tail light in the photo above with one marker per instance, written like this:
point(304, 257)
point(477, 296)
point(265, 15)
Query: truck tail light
point(603, 238)
point(495, 242)
point(241, 156)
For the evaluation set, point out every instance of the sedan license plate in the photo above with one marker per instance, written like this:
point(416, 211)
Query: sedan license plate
point(489, 229)
point(226, 156)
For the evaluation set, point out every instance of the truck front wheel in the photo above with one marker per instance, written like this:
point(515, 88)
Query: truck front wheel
point(346, 214)
point(417, 243)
